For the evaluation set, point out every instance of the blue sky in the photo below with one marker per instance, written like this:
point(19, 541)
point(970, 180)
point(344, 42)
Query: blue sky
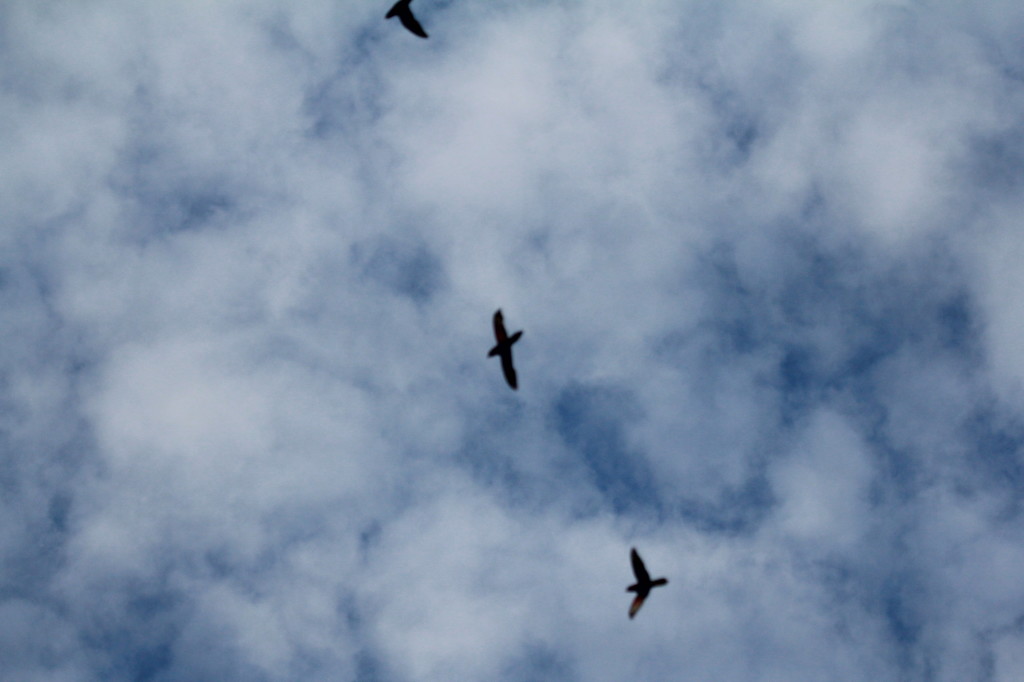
point(766, 257)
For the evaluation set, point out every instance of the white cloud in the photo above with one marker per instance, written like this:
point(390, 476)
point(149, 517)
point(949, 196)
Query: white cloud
point(824, 486)
point(999, 287)
point(763, 255)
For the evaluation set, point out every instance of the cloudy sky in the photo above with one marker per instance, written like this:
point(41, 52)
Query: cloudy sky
point(767, 255)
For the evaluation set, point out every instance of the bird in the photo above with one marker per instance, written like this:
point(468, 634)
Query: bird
point(504, 348)
point(643, 584)
point(401, 10)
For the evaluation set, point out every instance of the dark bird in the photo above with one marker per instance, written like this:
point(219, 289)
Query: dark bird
point(404, 14)
point(504, 348)
point(643, 584)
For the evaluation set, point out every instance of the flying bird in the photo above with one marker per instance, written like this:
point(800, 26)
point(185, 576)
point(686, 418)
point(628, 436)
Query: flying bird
point(504, 348)
point(643, 584)
point(401, 10)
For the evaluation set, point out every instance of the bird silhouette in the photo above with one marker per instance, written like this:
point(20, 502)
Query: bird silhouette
point(643, 584)
point(401, 10)
point(504, 348)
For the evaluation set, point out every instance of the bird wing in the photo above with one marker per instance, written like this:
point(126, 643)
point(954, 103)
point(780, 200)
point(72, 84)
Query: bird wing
point(409, 21)
point(639, 570)
point(499, 327)
point(508, 369)
point(637, 603)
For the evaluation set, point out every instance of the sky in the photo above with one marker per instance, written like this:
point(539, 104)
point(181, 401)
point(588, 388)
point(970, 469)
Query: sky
point(765, 255)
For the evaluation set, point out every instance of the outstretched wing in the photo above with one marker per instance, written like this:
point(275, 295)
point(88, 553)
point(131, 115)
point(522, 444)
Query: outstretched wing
point(639, 570)
point(409, 21)
point(637, 603)
point(499, 327)
point(508, 369)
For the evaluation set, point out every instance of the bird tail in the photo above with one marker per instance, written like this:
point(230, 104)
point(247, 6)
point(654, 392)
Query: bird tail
point(659, 582)
point(494, 351)
point(515, 337)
